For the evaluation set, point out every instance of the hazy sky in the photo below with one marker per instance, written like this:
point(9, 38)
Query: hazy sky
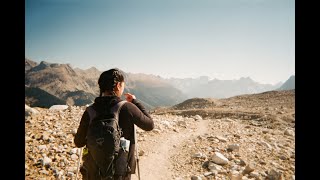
point(223, 39)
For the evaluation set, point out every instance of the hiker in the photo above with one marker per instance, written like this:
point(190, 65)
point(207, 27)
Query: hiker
point(111, 84)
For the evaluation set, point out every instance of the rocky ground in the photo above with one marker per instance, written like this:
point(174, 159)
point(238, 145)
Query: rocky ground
point(244, 137)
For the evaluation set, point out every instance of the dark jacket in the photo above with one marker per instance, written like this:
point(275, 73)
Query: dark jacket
point(130, 114)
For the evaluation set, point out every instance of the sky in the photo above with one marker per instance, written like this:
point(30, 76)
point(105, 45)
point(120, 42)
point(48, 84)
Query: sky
point(222, 39)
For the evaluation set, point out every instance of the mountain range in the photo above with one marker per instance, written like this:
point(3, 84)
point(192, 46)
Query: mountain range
point(202, 87)
point(60, 83)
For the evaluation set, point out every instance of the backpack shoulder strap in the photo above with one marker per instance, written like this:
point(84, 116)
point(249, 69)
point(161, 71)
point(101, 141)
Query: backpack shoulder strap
point(92, 113)
point(116, 109)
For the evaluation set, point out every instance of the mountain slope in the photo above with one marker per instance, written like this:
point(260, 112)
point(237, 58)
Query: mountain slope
point(90, 76)
point(36, 97)
point(153, 90)
point(56, 79)
point(79, 87)
point(289, 84)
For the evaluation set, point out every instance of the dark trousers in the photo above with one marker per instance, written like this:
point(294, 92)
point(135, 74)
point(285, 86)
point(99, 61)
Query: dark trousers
point(89, 176)
point(127, 177)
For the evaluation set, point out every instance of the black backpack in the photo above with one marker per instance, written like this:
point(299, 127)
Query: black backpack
point(103, 140)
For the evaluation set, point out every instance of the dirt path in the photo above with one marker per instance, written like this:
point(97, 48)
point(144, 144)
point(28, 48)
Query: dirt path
point(155, 164)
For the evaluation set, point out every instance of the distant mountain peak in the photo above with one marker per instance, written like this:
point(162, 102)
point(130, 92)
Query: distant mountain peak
point(30, 61)
point(45, 63)
point(289, 84)
point(246, 79)
point(29, 64)
point(92, 69)
point(292, 77)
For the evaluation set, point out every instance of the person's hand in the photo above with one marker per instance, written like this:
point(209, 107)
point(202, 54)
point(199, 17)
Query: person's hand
point(130, 97)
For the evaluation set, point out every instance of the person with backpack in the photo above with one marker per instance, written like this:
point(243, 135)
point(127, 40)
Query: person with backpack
point(109, 115)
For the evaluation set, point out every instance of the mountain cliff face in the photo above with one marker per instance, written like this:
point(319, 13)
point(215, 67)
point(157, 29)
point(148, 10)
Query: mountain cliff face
point(289, 84)
point(90, 76)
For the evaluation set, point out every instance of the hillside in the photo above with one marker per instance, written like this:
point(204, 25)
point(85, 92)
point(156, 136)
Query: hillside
point(56, 79)
point(242, 137)
point(269, 109)
point(36, 97)
point(196, 103)
point(153, 90)
point(90, 76)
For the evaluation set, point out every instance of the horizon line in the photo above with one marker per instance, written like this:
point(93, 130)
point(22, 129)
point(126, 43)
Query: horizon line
point(161, 76)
